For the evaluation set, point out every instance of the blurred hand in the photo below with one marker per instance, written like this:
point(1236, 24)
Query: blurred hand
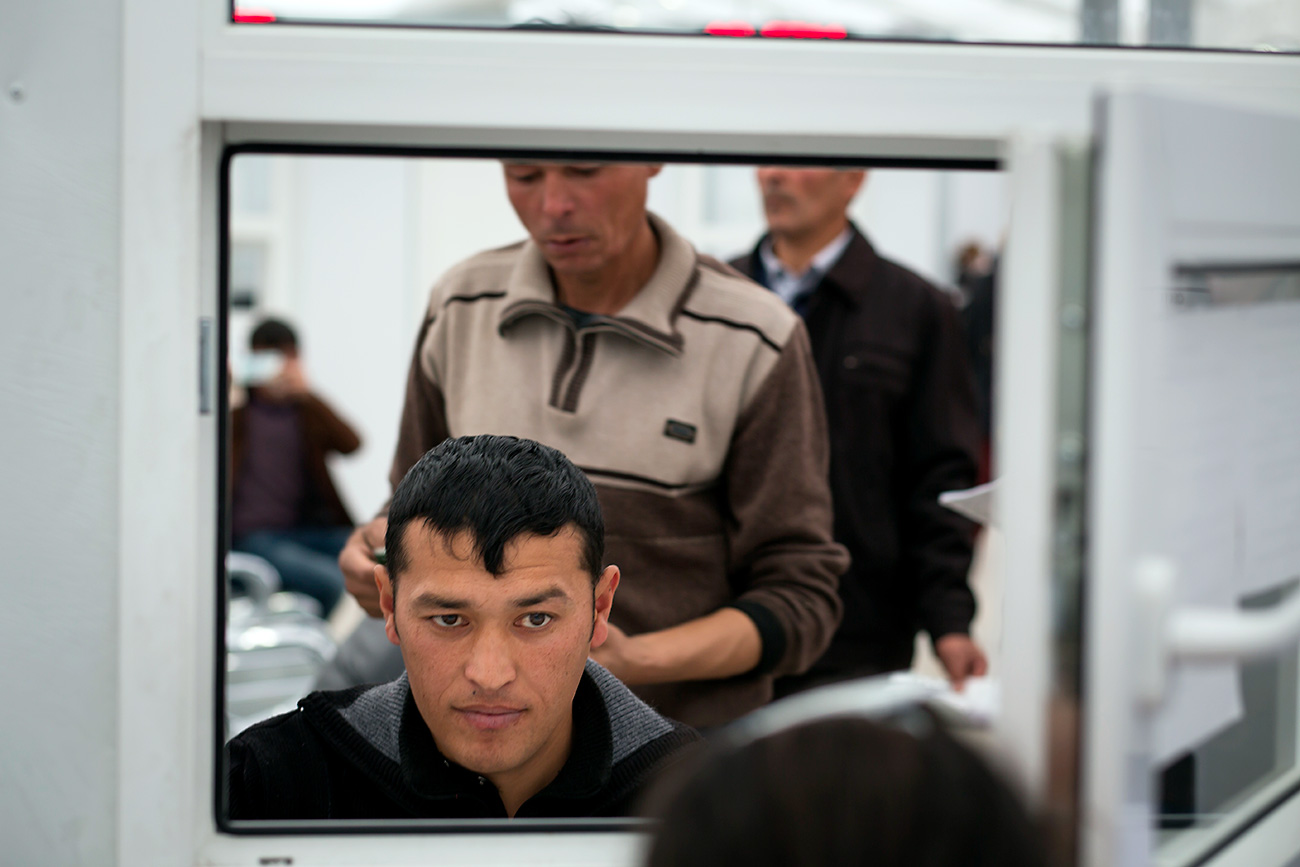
point(291, 381)
point(357, 561)
point(618, 654)
point(961, 658)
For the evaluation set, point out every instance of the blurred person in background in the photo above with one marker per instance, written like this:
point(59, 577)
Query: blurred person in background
point(841, 792)
point(284, 505)
point(971, 263)
point(900, 400)
point(980, 317)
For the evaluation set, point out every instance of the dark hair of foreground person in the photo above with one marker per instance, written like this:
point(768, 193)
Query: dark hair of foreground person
point(838, 792)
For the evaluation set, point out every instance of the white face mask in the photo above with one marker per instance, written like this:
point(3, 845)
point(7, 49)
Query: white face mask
point(262, 366)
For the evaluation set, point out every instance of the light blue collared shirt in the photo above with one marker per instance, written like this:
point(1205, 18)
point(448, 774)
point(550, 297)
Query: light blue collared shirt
point(791, 286)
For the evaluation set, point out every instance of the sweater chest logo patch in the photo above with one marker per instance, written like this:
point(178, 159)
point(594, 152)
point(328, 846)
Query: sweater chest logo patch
point(679, 430)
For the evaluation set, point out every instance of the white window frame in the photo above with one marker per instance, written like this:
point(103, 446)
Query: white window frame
point(193, 83)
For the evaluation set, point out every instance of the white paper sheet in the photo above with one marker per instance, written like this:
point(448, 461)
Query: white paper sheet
point(978, 704)
point(979, 503)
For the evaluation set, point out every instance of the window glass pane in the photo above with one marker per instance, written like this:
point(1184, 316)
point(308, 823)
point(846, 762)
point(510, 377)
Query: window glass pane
point(1260, 25)
point(345, 255)
point(730, 195)
point(1257, 25)
point(247, 273)
point(250, 186)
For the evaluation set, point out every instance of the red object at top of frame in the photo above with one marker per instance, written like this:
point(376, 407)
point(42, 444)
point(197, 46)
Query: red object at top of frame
point(729, 28)
point(802, 30)
point(251, 15)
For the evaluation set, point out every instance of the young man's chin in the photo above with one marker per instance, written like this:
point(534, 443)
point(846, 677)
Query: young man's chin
point(488, 759)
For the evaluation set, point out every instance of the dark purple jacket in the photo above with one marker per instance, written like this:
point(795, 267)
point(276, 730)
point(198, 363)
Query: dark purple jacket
point(323, 432)
point(900, 397)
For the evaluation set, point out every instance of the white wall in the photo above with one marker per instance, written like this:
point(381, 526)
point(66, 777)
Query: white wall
point(353, 270)
point(920, 218)
point(60, 148)
point(462, 209)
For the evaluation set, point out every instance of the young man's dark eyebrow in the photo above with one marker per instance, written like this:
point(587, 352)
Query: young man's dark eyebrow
point(540, 597)
point(433, 600)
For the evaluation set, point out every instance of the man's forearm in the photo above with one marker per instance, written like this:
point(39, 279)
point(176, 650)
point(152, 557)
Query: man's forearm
point(722, 644)
point(778, 496)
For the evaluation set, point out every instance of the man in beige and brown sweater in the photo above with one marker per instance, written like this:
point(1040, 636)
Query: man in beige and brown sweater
point(686, 393)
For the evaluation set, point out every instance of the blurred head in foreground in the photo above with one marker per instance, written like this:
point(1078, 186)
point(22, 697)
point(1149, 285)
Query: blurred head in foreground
point(840, 791)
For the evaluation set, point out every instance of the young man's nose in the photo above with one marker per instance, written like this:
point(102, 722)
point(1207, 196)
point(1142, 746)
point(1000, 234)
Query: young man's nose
point(491, 664)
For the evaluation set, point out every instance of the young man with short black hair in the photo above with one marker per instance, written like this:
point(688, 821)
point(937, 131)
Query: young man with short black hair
point(495, 593)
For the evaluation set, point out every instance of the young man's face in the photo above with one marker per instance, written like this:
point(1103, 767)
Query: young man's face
point(494, 661)
point(800, 202)
point(585, 217)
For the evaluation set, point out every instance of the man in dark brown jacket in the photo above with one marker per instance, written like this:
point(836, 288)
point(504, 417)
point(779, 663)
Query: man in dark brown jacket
point(900, 400)
point(284, 506)
point(685, 392)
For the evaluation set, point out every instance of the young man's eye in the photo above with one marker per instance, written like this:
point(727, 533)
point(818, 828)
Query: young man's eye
point(535, 620)
point(448, 620)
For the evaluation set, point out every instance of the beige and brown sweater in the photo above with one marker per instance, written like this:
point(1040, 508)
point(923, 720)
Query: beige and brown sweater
point(697, 414)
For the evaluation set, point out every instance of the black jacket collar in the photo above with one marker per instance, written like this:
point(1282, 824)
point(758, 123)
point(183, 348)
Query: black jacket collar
point(848, 278)
point(401, 757)
point(429, 774)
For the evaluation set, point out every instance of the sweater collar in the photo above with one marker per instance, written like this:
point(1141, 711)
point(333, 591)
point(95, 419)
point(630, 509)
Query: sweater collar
point(429, 774)
point(649, 318)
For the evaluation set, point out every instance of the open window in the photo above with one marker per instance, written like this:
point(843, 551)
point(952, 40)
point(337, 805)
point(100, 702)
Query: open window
point(343, 245)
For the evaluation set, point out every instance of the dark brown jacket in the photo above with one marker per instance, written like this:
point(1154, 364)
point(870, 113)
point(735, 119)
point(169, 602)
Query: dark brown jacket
point(322, 432)
point(900, 399)
point(696, 413)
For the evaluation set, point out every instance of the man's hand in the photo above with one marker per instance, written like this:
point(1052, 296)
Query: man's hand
point(961, 658)
point(357, 561)
point(619, 655)
point(290, 382)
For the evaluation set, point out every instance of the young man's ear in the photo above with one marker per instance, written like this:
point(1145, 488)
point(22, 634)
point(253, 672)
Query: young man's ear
point(605, 588)
point(385, 585)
